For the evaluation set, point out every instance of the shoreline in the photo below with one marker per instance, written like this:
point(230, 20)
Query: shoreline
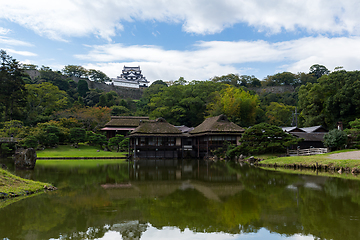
point(340, 161)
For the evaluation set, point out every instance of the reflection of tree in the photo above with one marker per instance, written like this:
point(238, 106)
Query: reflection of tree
point(130, 230)
point(88, 211)
point(190, 209)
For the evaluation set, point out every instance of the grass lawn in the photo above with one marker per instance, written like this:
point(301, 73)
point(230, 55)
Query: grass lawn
point(83, 151)
point(11, 185)
point(315, 173)
point(321, 159)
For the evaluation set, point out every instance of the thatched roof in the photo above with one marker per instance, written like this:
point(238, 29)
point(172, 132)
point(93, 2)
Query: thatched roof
point(217, 125)
point(125, 121)
point(158, 127)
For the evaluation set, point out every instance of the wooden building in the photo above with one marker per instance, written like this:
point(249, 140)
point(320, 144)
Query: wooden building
point(213, 133)
point(156, 139)
point(313, 136)
point(122, 125)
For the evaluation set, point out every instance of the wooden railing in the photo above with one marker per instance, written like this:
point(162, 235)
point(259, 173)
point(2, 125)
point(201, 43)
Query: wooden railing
point(307, 152)
point(9, 140)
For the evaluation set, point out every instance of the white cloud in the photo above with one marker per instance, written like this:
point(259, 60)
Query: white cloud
point(13, 42)
point(60, 19)
point(4, 31)
point(21, 53)
point(220, 57)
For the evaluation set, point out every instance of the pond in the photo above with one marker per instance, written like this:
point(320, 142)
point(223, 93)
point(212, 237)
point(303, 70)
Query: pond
point(181, 200)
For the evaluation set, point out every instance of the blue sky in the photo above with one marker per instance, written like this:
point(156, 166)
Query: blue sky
point(194, 39)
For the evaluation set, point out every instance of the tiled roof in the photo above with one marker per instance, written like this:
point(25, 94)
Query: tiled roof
point(314, 129)
point(218, 124)
point(292, 129)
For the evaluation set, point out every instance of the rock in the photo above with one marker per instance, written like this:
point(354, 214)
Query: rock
point(251, 159)
point(51, 188)
point(25, 158)
point(341, 171)
point(355, 170)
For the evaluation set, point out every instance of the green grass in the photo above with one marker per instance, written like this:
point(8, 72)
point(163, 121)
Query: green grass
point(14, 185)
point(315, 173)
point(83, 151)
point(321, 159)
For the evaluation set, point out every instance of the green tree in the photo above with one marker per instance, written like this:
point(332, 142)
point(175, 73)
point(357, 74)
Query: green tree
point(102, 100)
point(231, 79)
point(336, 97)
point(115, 141)
point(77, 135)
point(279, 114)
point(335, 139)
point(318, 70)
point(82, 87)
point(119, 111)
point(75, 70)
point(43, 99)
point(280, 79)
point(29, 66)
point(354, 131)
point(30, 142)
point(97, 139)
point(265, 138)
point(12, 87)
point(97, 76)
point(238, 105)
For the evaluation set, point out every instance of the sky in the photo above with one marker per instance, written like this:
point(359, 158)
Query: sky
point(194, 39)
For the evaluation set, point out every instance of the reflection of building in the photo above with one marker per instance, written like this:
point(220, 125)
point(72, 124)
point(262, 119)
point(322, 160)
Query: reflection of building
point(130, 77)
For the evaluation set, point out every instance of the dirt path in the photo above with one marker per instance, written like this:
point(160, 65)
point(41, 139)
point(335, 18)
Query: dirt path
point(355, 155)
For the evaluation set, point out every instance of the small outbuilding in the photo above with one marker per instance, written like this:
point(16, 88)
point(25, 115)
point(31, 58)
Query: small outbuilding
point(122, 125)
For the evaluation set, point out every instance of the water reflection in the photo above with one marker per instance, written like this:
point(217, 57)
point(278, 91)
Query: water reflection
point(148, 200)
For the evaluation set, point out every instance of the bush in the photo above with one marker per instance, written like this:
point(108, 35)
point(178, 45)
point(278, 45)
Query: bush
point(335, 139)
point(30, 142)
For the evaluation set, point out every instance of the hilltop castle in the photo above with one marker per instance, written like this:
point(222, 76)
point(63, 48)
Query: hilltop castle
point(131, 77)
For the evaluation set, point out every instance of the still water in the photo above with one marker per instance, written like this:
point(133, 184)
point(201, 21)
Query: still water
point(181, 200)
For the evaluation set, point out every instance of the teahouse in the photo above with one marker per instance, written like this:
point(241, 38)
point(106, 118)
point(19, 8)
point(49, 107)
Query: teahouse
point(213, 133)
point(156, 139)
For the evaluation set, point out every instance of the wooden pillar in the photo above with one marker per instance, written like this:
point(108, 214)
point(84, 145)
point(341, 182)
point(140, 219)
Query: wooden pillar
point(198, 147)
point(207, 146)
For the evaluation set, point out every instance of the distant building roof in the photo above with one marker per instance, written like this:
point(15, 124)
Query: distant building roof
point(218, 124)
point(125, 121)
point(314, 129)
point(158, 127)
point(292, 129)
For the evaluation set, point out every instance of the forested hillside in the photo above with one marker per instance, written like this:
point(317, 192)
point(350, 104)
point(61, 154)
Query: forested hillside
point(53, 103)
